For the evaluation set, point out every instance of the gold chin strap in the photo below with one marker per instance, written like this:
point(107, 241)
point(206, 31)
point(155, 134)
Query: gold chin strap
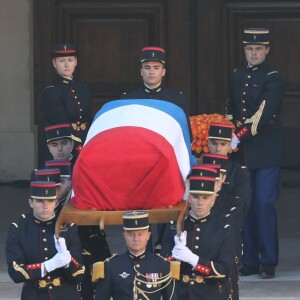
point(76, 139)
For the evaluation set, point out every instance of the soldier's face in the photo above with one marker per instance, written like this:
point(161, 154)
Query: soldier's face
point(201, 204)
point(152, 73)
point(256, 54)
point(219, 146)
point(43, 209)
point(61, 149)
point(65, 66)
point(65, 185)
point(136, 240)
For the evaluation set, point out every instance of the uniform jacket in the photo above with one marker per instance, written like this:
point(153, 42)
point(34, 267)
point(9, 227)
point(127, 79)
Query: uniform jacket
point(67, 101)
point(254, 104)
point(159, 93)
point(123, 272)
point(94, 248)
point(234, 198)
point(29, 243)
point(214, 244)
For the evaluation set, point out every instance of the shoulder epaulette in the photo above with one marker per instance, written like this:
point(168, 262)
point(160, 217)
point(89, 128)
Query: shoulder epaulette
point(180, 93)
point(243, 167)
point(273, 72)
point(109, 258)
point(98, 269)
point(162, 257)
point(226, 226)
point(49, 86)
point(235, 69)
point(124, 93)
point(72, 224)
point(23, 216)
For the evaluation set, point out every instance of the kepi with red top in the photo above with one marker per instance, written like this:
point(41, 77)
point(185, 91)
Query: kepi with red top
point(220, 131)
point(218, 159)
point(202, 185)
point(64, 166)
point(153, 53)
point(50, 175)
point(43, 190)
point(57, 132)
point(63, 50)
point(205, 170)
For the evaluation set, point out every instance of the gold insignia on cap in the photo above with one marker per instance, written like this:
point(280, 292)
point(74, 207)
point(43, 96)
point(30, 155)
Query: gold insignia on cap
point(48, 179)
point(46, 192)
point(220, 131)
point(201, 173)
point(214, 161)
point(153, 54)
point(136, 222)
point(202, 184)
point(254, 37)
point(65, 47)
point(57, 132)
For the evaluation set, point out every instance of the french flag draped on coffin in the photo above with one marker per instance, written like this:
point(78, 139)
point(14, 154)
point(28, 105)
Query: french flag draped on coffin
point(137, 155)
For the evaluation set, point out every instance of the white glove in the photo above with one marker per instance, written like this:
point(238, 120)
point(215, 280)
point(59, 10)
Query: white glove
point(186, 255)
point(60, 244)
point(235, 141)
point(180, 241)
point(58, 261)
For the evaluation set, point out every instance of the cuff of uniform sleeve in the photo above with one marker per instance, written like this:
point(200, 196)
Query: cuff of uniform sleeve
point(202, 266)
point(242, 132)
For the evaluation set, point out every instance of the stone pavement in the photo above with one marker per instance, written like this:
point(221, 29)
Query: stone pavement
point(285, 286)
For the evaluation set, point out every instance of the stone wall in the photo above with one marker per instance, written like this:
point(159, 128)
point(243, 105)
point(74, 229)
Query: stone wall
point(17, 130)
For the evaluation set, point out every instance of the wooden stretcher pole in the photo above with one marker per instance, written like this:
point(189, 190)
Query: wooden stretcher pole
point(181, 217)
point(101, 223)
point(60, 220)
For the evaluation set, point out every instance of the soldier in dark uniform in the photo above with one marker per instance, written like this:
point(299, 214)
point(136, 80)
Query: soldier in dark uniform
point(49, 267)
point(67, 99)
point(60, 142)
point(237, 181)
point(93, 240)
point(65, 181)
point(254, 104)
point(135, 274)
point(153, 70)
point(153, 60)
point(205, 247)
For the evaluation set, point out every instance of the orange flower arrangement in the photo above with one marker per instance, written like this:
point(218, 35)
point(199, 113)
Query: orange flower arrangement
point(200, 128)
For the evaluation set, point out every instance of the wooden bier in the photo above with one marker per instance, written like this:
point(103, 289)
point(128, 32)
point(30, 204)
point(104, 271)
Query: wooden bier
point(69, 214)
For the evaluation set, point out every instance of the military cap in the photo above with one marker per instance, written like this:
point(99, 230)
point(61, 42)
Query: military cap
point(217, 167)
point(47, 175)
point(43, 190)
point(57, 132)
point(62, 50)
point(202, 185)
point(204, 170)
point(62, 165)
point(220, 131)
point(135, 220)
point(256, 36)
point(218, 159)
point(153, 54)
